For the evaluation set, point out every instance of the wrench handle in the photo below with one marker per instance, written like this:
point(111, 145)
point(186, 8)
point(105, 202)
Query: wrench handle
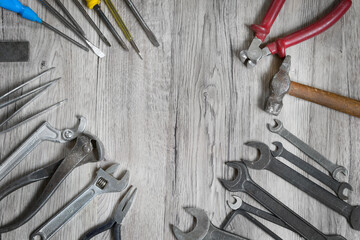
point(263, 29)
point(56, 222)
point(279, 46)
point(331, 100)
point(296, 222)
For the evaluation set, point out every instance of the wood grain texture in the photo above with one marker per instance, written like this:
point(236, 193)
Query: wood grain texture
point(175, 118)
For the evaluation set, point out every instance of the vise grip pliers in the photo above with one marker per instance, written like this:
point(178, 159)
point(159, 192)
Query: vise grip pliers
point(251, 56)
point(88, 148)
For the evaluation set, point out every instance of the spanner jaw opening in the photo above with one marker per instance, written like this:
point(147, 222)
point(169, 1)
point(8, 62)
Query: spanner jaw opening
point(277, 127)
point(264, 158)
point(237, 185)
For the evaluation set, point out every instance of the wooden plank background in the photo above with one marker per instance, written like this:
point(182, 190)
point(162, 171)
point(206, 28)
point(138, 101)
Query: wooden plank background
point(176, 117)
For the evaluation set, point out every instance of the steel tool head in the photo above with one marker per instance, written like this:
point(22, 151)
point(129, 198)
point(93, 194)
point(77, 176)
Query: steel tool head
point(339, 169)
point(237, 185)
point(201, 229)
point(264, 158)
point(96, 146)
point(277, 127)
point(124, 206)
point(279, 86)
point(251, 56)
point(278, 150)
point(236, 204)
point(108, 183)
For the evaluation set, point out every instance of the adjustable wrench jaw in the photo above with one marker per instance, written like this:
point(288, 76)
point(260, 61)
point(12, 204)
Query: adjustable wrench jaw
point(107, 183)
point(201, 229)
point(237, 185)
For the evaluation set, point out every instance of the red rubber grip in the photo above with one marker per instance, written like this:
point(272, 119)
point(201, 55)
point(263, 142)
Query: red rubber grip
point(263, 29)
point(279, 46)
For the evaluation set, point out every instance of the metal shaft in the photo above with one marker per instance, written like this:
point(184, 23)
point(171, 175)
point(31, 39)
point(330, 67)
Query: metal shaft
point(92, 23)
point(64, 36)
point(143, 24)
point(110, 26)
point(72, 19)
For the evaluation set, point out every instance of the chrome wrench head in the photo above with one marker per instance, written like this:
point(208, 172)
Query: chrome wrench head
point(108, 183)
point(237, 184)
point(201, 229)
point(264, 158)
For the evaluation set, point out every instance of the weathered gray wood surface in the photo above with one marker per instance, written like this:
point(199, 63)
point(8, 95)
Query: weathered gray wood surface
point(175, 118)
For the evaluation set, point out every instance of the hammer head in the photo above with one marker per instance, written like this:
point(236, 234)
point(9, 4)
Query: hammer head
point(279, 86)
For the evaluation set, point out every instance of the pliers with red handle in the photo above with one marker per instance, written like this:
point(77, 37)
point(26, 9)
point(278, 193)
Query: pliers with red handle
point(251, 56)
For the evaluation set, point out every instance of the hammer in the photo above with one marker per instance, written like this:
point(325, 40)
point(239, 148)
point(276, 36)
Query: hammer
point(281, 84)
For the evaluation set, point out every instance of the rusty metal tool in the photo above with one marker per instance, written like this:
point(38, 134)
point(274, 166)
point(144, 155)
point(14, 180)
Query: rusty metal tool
point(268, 162)
point(122, 26)
point(44, 133)
point(204, 229)
point(62, 19)
point(332, 168)
point(104, 182)
point(244, 183)
point(251, 56)
point(143, 24)
point(281, 85)
point(338, 187)
point(115, 221)
point(95, 4)
point(37, 92)
point(92, 23)
point(88, 148)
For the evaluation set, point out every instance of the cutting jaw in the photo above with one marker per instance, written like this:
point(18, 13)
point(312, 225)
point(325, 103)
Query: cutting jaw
point(254, 54)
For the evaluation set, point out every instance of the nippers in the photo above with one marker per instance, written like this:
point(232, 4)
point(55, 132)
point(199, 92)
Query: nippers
point(251, 56)
point(87, 149)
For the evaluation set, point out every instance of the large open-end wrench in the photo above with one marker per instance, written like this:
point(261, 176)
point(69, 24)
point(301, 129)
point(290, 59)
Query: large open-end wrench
point(204, 229)
point(332, 168)
point(337, 187)
point(88, 148)
point(267, 161)
point(244, 183)
point(104, 182)
point(44, 133)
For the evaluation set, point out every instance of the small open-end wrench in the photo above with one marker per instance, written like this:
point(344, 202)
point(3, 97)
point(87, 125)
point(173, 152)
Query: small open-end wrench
point(44, 133)
point(204, 229)
point(267, 161)
point(104, 182)
point(332, 168)
point(244, 183)
point(88, 148)
point(337, 187)
point(242, 208)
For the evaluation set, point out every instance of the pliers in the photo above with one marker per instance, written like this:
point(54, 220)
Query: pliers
point(116, 220)
point(251, 56)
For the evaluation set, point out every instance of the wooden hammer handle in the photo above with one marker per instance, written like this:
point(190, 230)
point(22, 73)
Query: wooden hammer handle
point(324, 98)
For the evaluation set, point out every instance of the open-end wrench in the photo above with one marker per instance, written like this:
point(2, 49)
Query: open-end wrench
point(240, 205)
point(242, 208)
point(44, 133)
point(244, 183)
point(332, 168)
point(267, 161)
point(88, 148)
point(337, 187)
point(204, 229)
point(104, 182)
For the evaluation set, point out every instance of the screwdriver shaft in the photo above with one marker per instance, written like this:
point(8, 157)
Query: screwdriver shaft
point(110, 26)
point(72, 19)
point(64, 36)
point(92, 23)
point(143, 24)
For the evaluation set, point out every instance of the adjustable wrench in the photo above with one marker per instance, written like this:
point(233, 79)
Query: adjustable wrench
point(244, 183)
point(204, 229)
point(337, 187)
point(332, 168)
point(104, 182)
point(44, 133)
point(267, 161)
